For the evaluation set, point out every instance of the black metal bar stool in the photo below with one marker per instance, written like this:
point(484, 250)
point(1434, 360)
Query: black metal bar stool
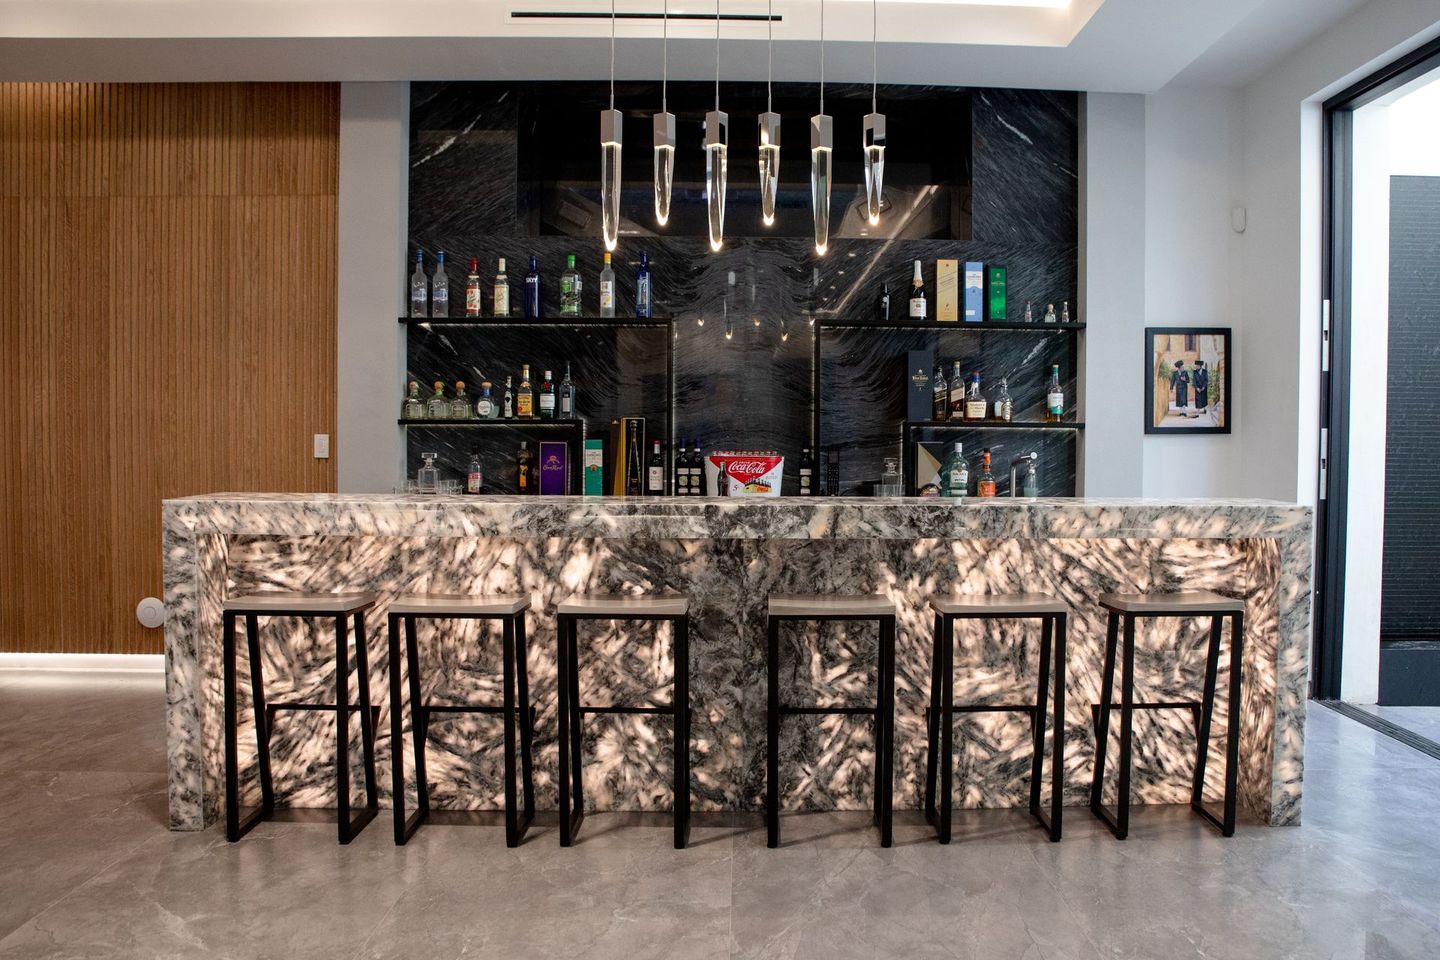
point(788, 608)
point(337, 606)
point(510, 611)
point(940, 716)
point(675, 611)
point(1128, 608)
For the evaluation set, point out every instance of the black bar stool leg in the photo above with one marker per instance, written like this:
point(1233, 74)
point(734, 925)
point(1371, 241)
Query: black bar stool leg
point(419, 724)
point(947, 726)
point(512, 822)
point(1207, 714)
point(681, 626)
point(397, 731)
point(577, 725)
point(932, 721)
point(1102, 728)
point(527, 715)
point(1038, 718)
point(772, 732)
point(1127, 716)
point(886, 758)
point(342, 728)
point(367, 715)
point(262, 717)
point(562, 693)
point(1057, 771)
point(1232, 746)
point(232, 761)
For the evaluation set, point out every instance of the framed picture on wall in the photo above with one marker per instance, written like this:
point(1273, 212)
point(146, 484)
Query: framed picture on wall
point(1187, 379)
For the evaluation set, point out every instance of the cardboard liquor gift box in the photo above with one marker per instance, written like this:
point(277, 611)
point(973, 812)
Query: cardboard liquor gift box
point(554, 467)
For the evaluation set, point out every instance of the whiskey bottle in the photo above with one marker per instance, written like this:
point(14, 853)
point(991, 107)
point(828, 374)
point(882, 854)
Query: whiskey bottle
point(567, 396)
point(525, 398)
point(807, 473)
point(955, 474)
point(419, 287)
point(570, 287)
point(438, 408)
point(502, 290)
point(439, 288)
point(460, 408)
point(475, 473)
point(917, 295)
point(957, 393)
point(985, 483)
point(607, 288)
point(940, 405)
point(1055, 397)
point(507, 402)
point(1004, 405)
point(525, 470)
point(975, 406)
point(472, 289)
point(547, 397)
point(485, 406)
point(655, 472)
point(413, 408)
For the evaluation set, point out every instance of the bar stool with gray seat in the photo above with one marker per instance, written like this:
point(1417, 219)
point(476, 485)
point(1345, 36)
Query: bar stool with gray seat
point(569, 614)
point(340, 607)
point(783, 608)
point(939, 717)
point(510, 611)
point(1128, 608)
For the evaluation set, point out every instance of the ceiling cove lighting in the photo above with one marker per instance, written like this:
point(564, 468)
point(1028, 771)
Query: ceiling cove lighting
point(612, 128)
point(874, 137)
point(822, 147)
point(717, 144)
point(664, 130)
point(769, 132)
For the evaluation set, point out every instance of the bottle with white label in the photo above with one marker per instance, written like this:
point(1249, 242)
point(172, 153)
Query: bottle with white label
point(976, 409)
point(607, 288)
point(955, 474)
point(472, 289)
point(1055, 397)
point(1004, 405)
point(439, 288)
point(917, 295)
point(697, 471)
point(547, 397)
point(655, 472)
point(807, 473)
point(502, 290)
point(475, 475)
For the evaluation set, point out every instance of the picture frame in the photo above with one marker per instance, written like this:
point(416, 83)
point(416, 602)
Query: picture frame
point(1175, 357)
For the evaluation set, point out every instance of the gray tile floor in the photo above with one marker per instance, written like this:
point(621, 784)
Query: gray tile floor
point(1422, 720)
point(87, 869)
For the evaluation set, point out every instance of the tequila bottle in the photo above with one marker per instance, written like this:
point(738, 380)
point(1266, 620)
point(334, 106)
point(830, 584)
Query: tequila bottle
point(547, 397)
point(985, 483)
point(525, 470)
point(1004, 405)
point(427, 478)
point(439, 288)
point(438, 408)
point(1050, 314)
point(485, 406)
point(607, 288)
point(472, 289)
point(955, 473)
point(502, 291)
point(1055, 397)
point(507, 402)
point(525, 398)
point(413, 408)
point(567, 396)
point(940, 404)
point(570, 289)
point(419, 287)
point(975, 406)
point(460, 408)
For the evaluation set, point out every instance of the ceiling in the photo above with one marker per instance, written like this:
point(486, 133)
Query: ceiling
point(1133, 46)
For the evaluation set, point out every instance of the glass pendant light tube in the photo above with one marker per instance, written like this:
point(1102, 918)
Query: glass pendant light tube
point(769, 132)
point(822, 148)
point(612, 127)
point(717, 145)
point(874, 140)
point(664, 130)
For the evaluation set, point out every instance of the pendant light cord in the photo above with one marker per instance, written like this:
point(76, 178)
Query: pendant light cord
point(717, 54)
point(822, 56)
point(665, 58)
point(770, 55)
point(874, 55)
point(612, 54)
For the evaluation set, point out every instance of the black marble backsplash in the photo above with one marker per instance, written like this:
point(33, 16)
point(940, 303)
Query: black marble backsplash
point(469, 197)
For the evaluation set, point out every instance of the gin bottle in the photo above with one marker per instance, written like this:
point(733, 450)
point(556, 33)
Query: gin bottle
point(419, 287)
point(1055, 397)
point(547, 397)
point(567, 396)
point(570, 289)
point(460, 408)
point(438, 408)
point(607, 288)
point(413, 408)
point(439, 288)
point(955, 474)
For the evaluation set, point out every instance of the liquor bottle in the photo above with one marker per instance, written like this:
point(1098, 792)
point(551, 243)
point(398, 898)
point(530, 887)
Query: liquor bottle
point(525, 397)
point(940, 406)
point(475, 473)
point(832, 472)
point(547, 397)
point(485, 406)
point(413, 408)
point(976, 409)
point(439, 288)
point(1055, 397)
point(955, 474)
point(957, 393)
point(472, 289)
point(502, 290)
point(634, 461)
point(917, 295)
point(531, 306)
point(643, 305)
point(419, 287)
point(807, 473)
point(1050, 314)
point(460, 408)
point(525, 470)
point(607, 288)
point(985, 483)
point(1004, 406)
point(427, 478)
point(680, 476)
point(1065, 312)
point(697, 471)
point(655, 473)
point(570, 286)
point(507, 402)
point(567, 396)
point(1029, 311)
point(438, 408)
point(882, 306)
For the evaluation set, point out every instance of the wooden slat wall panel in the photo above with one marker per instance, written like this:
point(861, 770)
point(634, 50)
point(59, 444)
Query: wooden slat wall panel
point(167, 327)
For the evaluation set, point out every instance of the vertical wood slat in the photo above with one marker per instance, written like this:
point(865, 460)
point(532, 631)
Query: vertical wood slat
point(167, 327)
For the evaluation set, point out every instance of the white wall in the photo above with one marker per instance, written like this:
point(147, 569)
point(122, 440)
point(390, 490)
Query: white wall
point(374, 174)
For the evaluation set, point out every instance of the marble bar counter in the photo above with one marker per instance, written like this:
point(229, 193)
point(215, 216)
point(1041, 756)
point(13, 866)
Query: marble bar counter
point(727, 555)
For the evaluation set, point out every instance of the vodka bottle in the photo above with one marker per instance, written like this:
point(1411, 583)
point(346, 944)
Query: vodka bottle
point(439, 288)
point(419, 287)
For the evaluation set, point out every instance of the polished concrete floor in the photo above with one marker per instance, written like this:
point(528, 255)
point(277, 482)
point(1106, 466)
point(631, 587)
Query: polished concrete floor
point(87, 869)
point(1424, 721)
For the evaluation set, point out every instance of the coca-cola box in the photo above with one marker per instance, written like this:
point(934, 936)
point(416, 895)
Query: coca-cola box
point(748, 473)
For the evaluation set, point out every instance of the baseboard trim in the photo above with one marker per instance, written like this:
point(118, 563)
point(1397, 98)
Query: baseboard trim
point(85, 662)
point(1379, 724)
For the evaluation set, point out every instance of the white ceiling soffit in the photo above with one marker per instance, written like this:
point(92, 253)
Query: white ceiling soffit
point(1103, 45)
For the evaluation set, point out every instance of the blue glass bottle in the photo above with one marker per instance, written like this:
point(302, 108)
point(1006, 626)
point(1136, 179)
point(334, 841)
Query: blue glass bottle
point(531, 302)
point(643, 307)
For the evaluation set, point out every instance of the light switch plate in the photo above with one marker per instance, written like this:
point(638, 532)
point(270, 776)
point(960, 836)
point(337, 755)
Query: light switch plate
point(322, 446)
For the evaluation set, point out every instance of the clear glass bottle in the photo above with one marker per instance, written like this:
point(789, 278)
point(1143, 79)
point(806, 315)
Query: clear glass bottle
point(485, 406)
point(985, 482)
point(460, 408)
point(643, 305)
point(474, 473)
point(525, 396)
point(1065, 312)
point(1029, 311)
point(1004, 405)
point(567, 396)
point(413, 408)
point(547, 397)
point(1031, 485)
point(1055, 397)
point(607, 288)
point(940, 403)
point(438, 408)
point(532, 292)
point(439, 288)
point(502, 291)
point(419, 287)
point(1050, 314)
point(955, 473)
point(472, 289)
point(570, 289)
point(507, 402)
point(427, 478)
point(976, 409)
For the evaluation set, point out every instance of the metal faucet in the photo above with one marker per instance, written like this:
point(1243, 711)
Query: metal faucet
point(1015, 462)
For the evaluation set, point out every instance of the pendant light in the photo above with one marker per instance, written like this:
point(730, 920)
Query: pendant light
point(612, 128)
point(717, 145)
point(664, 130)
point(874, 128)
point(769, 131)
point(822, 146)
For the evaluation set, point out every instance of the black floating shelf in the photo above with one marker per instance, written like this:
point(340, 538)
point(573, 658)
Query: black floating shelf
point(1037, 327)
point(994, 425)
point(516, 423)
point(602, 323)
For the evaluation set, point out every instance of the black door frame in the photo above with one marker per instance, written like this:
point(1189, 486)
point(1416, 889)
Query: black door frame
point(1328, 640)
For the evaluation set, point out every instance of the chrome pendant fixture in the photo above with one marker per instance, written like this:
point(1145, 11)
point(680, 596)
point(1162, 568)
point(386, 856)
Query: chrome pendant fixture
point(769, 133)
point(717, 145)
point(664, 131)
point(822, 148)
point(612, 129)
point(874, 129)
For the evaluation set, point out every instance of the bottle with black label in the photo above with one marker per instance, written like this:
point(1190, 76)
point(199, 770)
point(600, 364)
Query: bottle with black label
point(697, 471)
point(634, 458)
point(525, 464)
point(475, 474)
point(940, 405)
point(682, 470)
point(917, 295)
point(807, 473)
point(507, 402)
point(832, 472)
point(655, 472)
point(882, 306)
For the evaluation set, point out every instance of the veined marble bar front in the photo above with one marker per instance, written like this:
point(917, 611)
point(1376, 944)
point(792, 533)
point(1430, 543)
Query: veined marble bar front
point(727, 555)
